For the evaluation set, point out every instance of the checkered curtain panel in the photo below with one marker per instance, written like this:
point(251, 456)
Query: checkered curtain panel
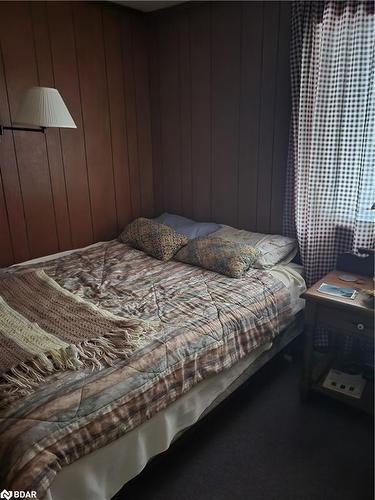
point(331, 169)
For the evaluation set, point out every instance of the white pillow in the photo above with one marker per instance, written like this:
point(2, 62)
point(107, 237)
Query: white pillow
point(274, 248)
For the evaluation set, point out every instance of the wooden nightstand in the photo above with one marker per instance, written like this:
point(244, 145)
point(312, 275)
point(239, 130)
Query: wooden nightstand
point(353, 317)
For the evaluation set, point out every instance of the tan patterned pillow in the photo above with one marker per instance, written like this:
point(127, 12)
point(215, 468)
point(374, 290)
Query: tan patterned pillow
point(153, 238)
point(222, 256)
point(274, 248)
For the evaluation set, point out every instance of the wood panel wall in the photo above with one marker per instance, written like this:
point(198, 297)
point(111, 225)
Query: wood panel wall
point(211, 145)
point(220, 96)
point(68, 188)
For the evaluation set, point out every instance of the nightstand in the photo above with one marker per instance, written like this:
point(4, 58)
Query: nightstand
point(344, 317)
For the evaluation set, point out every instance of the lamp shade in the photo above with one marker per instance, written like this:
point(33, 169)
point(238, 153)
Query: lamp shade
point(44, 107)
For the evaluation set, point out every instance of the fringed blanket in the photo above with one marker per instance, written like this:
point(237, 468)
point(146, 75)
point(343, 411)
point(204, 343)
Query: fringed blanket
point(206, 322)
point(45, 328)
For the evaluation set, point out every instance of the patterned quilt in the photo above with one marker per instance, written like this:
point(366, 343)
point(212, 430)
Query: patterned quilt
point(204, 323)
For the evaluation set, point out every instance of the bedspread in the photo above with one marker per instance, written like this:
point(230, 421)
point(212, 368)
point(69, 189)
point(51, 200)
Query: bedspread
point(206, 323)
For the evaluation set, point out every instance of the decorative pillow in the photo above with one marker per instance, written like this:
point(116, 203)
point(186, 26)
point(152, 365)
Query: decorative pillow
point(274, 249)
point(188, 227)
point(153, 238)
point(224, 257)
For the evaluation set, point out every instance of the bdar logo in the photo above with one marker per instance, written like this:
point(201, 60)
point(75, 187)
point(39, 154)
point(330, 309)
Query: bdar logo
point(6, 494)
point(17, 494)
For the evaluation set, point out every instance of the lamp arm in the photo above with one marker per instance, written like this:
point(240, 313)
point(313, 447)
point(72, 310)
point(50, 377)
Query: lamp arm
point(23, 129)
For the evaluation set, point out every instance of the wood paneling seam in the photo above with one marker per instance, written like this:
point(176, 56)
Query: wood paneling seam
point(45, 137)
point(15, 156)
point(59, 130)
point(109, 110)
point(83, 118)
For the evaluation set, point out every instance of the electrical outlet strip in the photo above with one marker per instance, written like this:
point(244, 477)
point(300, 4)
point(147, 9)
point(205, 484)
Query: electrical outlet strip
point(350, 385)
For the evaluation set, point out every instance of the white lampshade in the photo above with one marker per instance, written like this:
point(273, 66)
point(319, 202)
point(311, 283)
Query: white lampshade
point(44, 107)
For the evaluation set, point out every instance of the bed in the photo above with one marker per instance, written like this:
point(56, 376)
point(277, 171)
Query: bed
point(86, 434)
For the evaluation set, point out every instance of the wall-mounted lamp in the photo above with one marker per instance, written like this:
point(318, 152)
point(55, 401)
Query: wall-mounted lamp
point(41, 107)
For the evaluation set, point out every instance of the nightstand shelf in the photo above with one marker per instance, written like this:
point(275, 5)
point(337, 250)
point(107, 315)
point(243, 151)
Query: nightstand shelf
point(345, 317)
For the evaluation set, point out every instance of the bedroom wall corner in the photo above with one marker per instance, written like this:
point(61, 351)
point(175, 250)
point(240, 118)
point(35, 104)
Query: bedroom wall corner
point(221, 111)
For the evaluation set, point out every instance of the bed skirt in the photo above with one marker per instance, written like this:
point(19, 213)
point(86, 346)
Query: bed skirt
point(100, 475)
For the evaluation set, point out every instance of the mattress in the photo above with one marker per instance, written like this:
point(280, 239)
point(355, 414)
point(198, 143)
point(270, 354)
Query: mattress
point(271, 310)
point(100, 475)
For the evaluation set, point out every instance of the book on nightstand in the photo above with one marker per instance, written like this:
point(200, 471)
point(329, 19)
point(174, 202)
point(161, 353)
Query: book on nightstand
point(338, 291)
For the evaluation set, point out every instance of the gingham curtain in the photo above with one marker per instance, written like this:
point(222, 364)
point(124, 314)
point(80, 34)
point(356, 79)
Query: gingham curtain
point(331, 168)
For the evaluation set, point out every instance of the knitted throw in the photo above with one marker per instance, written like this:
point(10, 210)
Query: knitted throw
point(45, 328)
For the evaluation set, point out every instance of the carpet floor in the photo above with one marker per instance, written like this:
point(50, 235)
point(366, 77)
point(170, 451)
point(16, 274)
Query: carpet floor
point(263, 443)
